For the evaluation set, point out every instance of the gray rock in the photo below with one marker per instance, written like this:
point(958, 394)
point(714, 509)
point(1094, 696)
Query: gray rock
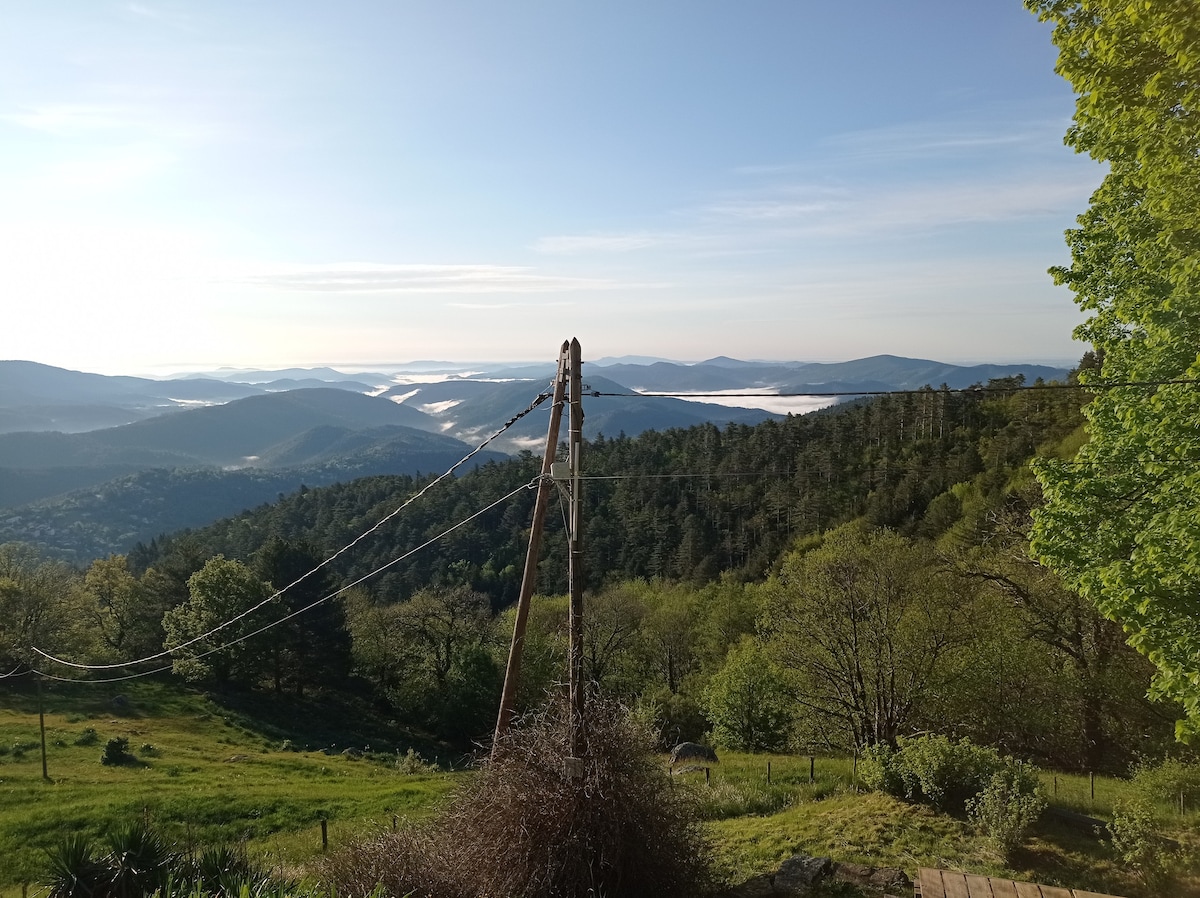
point(878, 878)
point(797, 875)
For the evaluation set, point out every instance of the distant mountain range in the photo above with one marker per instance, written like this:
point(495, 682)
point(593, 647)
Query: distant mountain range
point(74, 447)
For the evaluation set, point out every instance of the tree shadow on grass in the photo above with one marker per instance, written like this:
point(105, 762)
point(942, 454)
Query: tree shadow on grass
point(1071, 855)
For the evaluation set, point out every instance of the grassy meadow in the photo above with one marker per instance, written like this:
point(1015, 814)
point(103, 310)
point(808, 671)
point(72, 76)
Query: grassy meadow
point(203, 774)
point(258, 773)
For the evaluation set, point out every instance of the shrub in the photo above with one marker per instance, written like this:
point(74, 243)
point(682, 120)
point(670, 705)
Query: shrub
point(1007, 807)
point(932, 770)
point(412, 763)
point(878, 770)
point(88, 737)
point(1168, 779)
point(116, 752)
point(525, 826)
point(1138, 846)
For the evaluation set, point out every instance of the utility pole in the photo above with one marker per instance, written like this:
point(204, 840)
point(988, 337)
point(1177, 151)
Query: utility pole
point(42, 726)
point(512, 674)
point(575, 566)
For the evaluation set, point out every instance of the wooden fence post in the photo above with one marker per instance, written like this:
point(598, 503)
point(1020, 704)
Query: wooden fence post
point(812, 769)
point(769, 773)
point(324, 834)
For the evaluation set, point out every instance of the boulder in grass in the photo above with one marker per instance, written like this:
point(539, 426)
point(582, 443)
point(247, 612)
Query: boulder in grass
point(693, 754)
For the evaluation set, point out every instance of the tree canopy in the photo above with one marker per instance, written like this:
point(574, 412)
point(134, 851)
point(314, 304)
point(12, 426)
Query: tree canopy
point(1121, 521)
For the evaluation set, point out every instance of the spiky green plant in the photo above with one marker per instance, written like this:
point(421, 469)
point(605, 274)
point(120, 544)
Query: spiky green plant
point(75, 872)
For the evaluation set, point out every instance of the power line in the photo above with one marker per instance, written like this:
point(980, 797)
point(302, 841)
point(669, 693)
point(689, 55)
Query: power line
point(298, 611)
point(684, 476)
point(134, 676)
point(923, 391)
point(542, 397)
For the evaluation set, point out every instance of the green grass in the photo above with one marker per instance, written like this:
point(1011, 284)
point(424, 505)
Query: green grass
point(218, 772)
point(212, 777)
point(754, 827)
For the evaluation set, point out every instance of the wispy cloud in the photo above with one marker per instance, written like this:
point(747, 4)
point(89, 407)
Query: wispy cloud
point(764, 217)
point(152, 13)
point(989, 133)
point(72, 118)
point(377, 278)
point(929, 207)
point(505, 306)
point(947, 138)
point(606, 243)
point(769, 209)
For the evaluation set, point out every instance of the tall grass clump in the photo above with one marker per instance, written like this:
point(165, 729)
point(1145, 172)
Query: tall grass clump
point(526, 828)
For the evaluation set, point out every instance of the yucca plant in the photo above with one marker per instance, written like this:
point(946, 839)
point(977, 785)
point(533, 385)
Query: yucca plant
point(75, 871)
point(138, 861)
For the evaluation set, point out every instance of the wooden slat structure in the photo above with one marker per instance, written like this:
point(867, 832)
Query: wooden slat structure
point(933, 883)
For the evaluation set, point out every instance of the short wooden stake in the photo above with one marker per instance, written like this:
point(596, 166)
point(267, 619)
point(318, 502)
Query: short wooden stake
point(768, 773)
point(812, 769)
point(1092, 781)
point(706, 776)
point(1056, 785)
point(395, 822)
point(1180, 802)
point(324, 834)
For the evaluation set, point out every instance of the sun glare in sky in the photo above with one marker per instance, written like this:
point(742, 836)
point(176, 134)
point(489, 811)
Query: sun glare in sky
point(190, 185)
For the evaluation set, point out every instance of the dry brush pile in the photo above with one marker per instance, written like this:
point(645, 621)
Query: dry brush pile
point(526, 828)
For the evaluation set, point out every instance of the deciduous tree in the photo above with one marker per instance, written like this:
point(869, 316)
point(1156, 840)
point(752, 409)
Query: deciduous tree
point(867, 625)
point(1121, 522)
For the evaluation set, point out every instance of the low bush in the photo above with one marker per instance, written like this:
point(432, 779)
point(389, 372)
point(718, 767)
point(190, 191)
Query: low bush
point(931, 770)
point(116, 752)
point(1139, 848)
point(1168, 779)
point(412, 763)
point(1007, 808)
point(88, 737)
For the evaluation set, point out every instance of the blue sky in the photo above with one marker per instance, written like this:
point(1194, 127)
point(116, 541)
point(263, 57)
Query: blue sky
point(191, 184)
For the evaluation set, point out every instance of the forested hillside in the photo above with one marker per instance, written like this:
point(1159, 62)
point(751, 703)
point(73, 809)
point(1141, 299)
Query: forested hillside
point(681, 504)
point(724, 567)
